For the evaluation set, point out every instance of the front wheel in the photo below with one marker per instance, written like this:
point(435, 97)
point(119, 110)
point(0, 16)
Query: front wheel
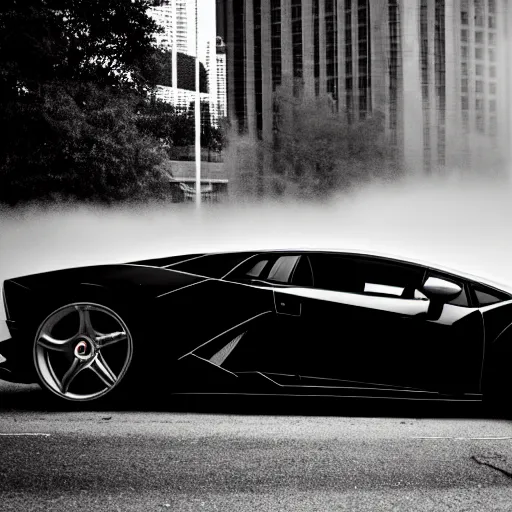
point(82, 351)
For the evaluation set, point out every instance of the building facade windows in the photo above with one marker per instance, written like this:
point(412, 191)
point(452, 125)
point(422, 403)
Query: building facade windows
point(342, 34)
point(493, 126)
point(394, 62)
point(331, 47)
point(258, 85)
point(297, 42)
point(275, 42)
point(316, 45)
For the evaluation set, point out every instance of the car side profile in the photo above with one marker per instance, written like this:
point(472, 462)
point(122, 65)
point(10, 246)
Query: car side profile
point(297, 322)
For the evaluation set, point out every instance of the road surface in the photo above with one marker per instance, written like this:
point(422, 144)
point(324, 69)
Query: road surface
point(195, 456)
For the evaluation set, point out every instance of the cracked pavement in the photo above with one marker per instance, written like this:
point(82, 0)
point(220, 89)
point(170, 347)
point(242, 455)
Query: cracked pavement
point(204, 456)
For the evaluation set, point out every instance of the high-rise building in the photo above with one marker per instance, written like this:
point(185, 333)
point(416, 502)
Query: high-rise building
point(439, 70)
point(190, 19)
point(182, 19)
point(222, 100)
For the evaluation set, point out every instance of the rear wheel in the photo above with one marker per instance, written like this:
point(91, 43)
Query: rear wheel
point(82, 351)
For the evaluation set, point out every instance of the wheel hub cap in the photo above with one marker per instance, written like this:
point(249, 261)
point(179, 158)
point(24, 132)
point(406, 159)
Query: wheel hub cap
point(84, 350)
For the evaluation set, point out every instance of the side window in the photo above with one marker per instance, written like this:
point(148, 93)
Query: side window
point(367, 276)
point(302, 275)
point(275, 268)
point(386, 278)
point(281, 270)
point(335, 272)
point(487, 296)
point(255, 268)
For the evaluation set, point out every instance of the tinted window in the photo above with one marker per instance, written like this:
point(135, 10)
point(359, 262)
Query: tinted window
point(282, 269)
point(256, 269)
point(269, 267)
point(366, 275)
point(487, 296)
point(302, 275)
point(211, 265)
point(332, 272)
point(392, 279)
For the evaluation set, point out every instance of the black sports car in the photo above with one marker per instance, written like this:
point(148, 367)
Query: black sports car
point(305, 322)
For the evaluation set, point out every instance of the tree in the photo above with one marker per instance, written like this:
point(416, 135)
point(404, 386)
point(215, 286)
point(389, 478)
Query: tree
point(60, 149)
point(105, 41)
point(169, 125)
point(315, 151)
point(71, 80)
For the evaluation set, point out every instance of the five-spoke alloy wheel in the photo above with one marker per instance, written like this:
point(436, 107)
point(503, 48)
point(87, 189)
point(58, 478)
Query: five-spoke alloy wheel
point(82, 351)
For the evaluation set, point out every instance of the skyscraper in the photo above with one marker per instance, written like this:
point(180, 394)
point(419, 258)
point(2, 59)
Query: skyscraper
point(439, 70)
point(183, 23)
point(181, 15)
point(221, 79)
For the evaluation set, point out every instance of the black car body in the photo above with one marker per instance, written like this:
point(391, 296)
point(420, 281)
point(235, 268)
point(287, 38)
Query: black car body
point(302, 322)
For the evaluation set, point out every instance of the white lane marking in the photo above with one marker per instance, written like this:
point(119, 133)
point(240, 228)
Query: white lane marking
point(465, 438)
point(25, 434)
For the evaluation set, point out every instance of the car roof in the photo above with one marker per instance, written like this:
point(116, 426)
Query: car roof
point(401, 259)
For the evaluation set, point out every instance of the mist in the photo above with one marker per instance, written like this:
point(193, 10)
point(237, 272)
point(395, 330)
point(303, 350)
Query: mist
point(464, 224)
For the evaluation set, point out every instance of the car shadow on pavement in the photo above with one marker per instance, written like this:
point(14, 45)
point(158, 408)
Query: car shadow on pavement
point(15, 397)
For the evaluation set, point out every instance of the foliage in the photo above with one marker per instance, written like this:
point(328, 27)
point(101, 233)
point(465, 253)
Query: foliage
point(77, 143)
point(176, 128)
point(315, 151)
point(74, 80)
point(82, 40)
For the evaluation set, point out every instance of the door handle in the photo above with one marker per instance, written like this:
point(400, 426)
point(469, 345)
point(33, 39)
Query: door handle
point(287, 305)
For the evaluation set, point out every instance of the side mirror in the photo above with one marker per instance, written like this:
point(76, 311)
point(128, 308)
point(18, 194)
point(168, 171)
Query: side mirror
point(440, 290)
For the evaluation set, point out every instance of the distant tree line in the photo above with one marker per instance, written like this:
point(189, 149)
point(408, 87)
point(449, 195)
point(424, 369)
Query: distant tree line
point(316, 151)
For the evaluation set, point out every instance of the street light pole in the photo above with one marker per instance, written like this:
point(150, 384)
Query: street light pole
point(197, 122)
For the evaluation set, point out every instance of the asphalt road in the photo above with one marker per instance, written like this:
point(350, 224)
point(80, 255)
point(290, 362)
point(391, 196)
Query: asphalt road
point(224, 456)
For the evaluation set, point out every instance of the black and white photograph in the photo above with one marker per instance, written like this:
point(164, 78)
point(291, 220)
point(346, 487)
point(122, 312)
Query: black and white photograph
point(256, 255)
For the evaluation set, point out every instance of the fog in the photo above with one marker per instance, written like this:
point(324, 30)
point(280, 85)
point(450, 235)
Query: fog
point(461, 224)
point(458, 223)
